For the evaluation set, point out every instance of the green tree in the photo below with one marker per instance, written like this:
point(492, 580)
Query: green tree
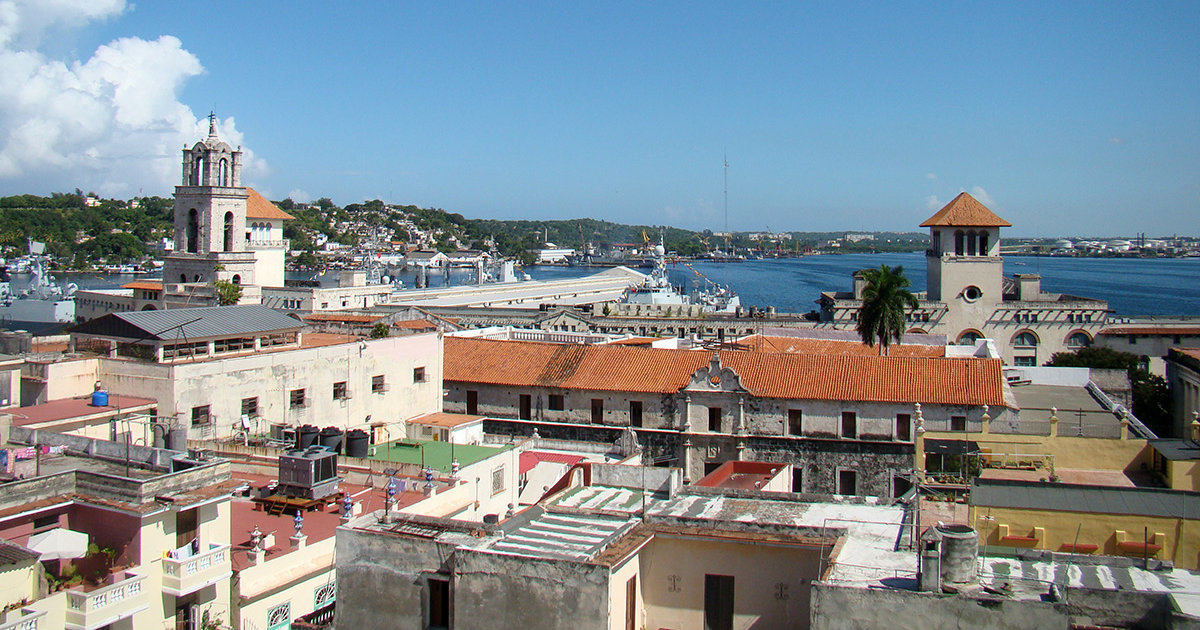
point(1151, 396)
point(227, 292)
point(380, 331)
point(884, 301)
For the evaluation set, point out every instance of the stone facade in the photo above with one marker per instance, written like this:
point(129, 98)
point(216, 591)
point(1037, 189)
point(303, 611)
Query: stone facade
point(714, 419)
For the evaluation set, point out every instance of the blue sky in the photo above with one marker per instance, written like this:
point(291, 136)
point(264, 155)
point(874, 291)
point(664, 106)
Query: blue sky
point(1065, 118)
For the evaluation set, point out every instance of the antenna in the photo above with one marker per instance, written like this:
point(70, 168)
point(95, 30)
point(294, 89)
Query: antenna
point(725, 158)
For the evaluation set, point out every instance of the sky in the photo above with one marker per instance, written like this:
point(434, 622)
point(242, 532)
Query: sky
point(1065, 118)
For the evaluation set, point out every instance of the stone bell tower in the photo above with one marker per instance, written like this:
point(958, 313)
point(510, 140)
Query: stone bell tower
point(210, 217)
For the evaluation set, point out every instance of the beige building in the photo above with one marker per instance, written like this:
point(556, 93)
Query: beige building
point(968, 297)
point(240, 370)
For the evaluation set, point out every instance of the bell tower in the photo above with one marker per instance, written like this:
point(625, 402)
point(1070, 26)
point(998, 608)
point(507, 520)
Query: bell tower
point(210, 216)
point(963, 261)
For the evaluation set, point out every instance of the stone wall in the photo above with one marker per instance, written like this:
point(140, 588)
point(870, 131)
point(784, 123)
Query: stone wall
point(854, 608)
point(502, 591)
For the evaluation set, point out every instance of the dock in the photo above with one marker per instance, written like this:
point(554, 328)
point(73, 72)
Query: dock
point(604, 286)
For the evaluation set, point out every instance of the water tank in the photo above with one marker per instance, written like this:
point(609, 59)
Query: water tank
point(491, 519)
point(99, 398)
point(357, 443)
point(331, 438)
point(960, 554)
point(306, 436)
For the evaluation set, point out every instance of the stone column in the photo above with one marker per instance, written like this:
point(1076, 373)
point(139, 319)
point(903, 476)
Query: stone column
point(919, 444)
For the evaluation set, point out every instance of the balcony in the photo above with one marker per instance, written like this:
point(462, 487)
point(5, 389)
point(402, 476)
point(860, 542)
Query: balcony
point(269, 244)
point(29, 620)
point(182, 576)
point(121, 596)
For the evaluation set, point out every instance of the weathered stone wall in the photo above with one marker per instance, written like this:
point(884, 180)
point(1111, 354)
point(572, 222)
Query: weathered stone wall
point(876, 463)
point(381, 580)
point(853, 608)
point(502, 591)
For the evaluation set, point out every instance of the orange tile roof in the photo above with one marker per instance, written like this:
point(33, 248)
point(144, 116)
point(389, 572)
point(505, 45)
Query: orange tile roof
point(635, 341)
point(1191, 352)
point(443, 419)
point(1163, 329)
point(766, 374)
point(415, 324)
point(259, 207)
point(964, 210)
point(802, 345)
point(149, 285)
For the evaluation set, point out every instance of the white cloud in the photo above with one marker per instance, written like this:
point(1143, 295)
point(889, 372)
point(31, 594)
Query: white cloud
point(300, 196)
point(982, 196)
point(932, 203)
point(1116, 140)
point(931, 176)
point(111, 123)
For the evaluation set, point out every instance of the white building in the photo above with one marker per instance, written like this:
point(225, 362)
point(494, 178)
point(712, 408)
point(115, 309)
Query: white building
point(220, 371)
point(968, 297)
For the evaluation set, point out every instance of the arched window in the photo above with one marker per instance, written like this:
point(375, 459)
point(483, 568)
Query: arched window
point(958, 242)
point(983, 243)
point(971, 243)
point(223, 173)
point(193, 231)
point(197, 171)
point(228, 232)
point(183, 277)
point(969, 337)
point(1079, 340)
point(1025, 339)
point(149, 307)
point(237, 278)
point(197, 278)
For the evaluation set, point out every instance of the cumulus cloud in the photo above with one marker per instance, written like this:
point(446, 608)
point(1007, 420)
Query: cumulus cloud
point(111, 123)
point(982, 196)
point(300, 196)
point(932, 203)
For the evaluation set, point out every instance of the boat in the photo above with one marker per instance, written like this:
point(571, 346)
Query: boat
point(44, 306)
point(656, 289)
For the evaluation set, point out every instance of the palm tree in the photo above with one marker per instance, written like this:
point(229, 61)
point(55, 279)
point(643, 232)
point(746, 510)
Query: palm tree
point(885, 298)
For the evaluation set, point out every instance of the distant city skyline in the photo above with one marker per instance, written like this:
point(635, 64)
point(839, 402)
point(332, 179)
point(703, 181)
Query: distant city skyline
point(1063, 118)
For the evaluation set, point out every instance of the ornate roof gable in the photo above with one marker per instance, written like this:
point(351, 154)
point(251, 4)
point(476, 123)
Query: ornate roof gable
point(715, 378)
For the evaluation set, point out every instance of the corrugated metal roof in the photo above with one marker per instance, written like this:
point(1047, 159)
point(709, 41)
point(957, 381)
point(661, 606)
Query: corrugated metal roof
point(192, 323)
point(1177, 450)
point(1063, 497)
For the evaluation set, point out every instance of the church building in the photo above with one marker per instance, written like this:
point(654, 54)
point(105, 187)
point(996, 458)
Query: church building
point(969, 298)
point(223, 231)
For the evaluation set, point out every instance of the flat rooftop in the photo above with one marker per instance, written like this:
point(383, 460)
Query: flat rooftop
point(1078, 411)
point(437, 455)
point(569, 536)
point(319, 525)
point(78, 409)
point(445, 420)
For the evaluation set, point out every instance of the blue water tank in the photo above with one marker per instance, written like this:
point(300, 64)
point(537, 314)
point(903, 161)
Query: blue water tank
point(99, 398)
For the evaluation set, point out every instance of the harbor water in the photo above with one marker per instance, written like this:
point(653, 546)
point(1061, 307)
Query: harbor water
point(1132, 286)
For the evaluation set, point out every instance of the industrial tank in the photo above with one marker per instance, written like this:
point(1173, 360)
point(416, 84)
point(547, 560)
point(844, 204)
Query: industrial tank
point(357, 443)
point(331, 438)
point(960, 553)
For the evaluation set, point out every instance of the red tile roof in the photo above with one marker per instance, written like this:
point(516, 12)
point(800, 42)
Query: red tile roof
point(259, 207)
point(415, 324)
point(529, 459)
point(765, 374)
point(802, 345)
point(441, 419)
point(149, 285)
point(965, 211)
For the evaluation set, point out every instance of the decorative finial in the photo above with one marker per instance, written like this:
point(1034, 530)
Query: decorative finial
point(298, 522)
point(985, 416)
point(212, 124)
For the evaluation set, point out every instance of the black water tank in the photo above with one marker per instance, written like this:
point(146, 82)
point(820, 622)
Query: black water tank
point(357, 443)
point(491, 519)
point(306, 436)
point(331, 438)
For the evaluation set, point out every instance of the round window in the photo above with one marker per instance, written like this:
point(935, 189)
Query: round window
point(972, 293)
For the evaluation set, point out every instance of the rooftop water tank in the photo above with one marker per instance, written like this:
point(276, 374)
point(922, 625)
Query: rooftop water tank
point(331, 438)
point(960, 554)
point(357, 443)
point(307, 436)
